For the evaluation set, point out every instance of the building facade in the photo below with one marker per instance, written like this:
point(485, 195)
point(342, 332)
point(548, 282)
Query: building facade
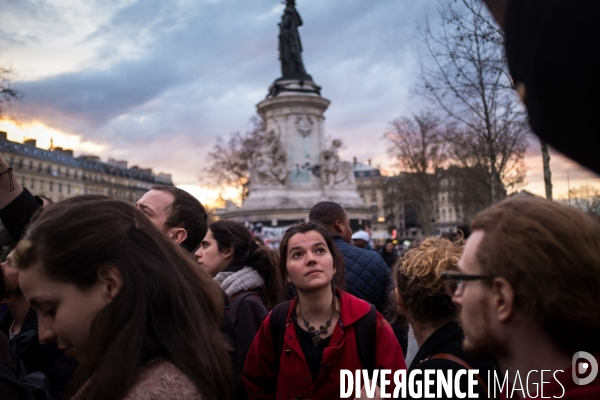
point(370, 185)
point(57, 174)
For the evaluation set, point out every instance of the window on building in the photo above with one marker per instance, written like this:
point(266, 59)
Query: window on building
point(22, 181)
point(67, 173)
point(50, 186)
point(68, 189)
point(20, 163)
point(59, 187)
point(40, 167)
point(33, 184)
point(41, 185)
point(30, 164)
point(49, 169)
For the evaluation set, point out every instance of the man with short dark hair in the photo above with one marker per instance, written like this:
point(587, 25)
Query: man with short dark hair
point(367, 276)
point(177, 213)
point(528, 292)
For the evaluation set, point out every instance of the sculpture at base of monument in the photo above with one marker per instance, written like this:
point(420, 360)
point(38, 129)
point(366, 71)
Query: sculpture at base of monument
point(268, 163)
point(304, 125)
point(333, 171)
point(290, 47)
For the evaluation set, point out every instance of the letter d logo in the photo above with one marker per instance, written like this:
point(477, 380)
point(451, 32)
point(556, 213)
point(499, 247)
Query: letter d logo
point(583, 367)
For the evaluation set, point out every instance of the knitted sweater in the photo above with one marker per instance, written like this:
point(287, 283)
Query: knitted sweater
point(159, 380)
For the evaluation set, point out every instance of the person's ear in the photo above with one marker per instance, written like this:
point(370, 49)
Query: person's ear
point(111, 280)
point(178, 235)
point(503, 300)
point(338, 227)
point(228, 253)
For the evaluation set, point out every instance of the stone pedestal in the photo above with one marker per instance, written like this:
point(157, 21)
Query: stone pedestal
point(294, 168)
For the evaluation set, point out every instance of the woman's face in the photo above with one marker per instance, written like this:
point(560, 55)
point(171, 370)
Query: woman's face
point(65, 312)
point(209, 256)
point(309, 262)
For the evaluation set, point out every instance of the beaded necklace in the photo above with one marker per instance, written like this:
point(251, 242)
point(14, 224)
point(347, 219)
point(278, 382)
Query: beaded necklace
point(323, 329)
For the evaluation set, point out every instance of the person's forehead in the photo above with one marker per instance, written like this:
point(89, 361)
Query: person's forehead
point(304, 239)
point(468, 261)
point(30, 281)
point(157, 199)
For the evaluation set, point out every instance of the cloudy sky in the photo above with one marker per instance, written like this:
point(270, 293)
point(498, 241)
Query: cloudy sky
point(156, 82)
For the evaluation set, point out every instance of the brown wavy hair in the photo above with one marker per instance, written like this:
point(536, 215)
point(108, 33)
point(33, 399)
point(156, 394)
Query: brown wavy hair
point(167, 307)
point(418, 279)
point(550, 255)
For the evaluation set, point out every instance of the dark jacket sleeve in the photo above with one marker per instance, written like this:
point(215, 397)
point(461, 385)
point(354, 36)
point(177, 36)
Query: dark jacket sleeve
point(16, 215)
point(8, 391)
point(251, 313)
point(260, 375)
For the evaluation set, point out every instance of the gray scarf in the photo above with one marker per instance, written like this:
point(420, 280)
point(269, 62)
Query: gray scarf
point(234, 282)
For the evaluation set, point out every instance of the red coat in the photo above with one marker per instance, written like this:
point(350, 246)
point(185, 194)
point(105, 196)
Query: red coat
point(294, 379)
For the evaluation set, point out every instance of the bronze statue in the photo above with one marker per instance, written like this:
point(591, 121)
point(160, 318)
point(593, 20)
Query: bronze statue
point(290, 47)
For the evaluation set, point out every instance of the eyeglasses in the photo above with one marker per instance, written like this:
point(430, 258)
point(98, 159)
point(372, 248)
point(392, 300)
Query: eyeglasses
point(453, 280)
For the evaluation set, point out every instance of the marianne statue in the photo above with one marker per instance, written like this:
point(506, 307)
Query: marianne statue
point(290, 48)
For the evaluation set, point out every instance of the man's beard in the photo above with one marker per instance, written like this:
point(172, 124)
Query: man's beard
point(484, 344)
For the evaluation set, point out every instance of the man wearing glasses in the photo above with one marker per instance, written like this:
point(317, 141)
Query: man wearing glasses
point(528, 287)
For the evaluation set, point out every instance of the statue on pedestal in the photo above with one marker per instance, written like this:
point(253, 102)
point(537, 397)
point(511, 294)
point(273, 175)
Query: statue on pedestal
point(268, 163)
point(334, 171)
point(290, 47)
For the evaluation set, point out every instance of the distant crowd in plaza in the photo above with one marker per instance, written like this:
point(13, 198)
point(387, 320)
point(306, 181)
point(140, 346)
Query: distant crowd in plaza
point(103, 299)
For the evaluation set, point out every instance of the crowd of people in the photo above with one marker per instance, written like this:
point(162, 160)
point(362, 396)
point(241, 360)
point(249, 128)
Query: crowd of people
point(103, 299)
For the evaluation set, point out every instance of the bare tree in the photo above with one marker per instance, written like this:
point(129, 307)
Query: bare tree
point(463, 72)
point(468, 190)
point(585, 197)
point(231, 159)
point(7, 91)
point(419, 147)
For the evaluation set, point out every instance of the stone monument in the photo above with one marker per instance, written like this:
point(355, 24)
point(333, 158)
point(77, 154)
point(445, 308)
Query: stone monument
point(295, 168)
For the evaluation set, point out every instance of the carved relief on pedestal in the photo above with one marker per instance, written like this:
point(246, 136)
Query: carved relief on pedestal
point(333, 171)
point(304, 125)
point(268, 163)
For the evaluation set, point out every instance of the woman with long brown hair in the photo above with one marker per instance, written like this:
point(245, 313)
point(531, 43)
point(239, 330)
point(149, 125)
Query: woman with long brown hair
point(248, 274)
point(129, 304)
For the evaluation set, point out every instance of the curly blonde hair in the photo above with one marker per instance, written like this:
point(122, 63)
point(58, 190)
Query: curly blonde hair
point(418, 276)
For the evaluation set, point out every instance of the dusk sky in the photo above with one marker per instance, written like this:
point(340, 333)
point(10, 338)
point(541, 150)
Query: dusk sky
point(157, 82)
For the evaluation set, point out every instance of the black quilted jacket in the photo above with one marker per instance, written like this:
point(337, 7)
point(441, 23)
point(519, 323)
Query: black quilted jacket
point(367, 275)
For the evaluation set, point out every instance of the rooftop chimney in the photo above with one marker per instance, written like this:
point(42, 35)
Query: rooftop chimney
point(369, 162)
point(3, 135)
point(30, 142)
point(354, 161)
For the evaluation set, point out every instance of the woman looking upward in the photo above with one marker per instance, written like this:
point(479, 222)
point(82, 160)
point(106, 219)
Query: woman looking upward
point(318, 332)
